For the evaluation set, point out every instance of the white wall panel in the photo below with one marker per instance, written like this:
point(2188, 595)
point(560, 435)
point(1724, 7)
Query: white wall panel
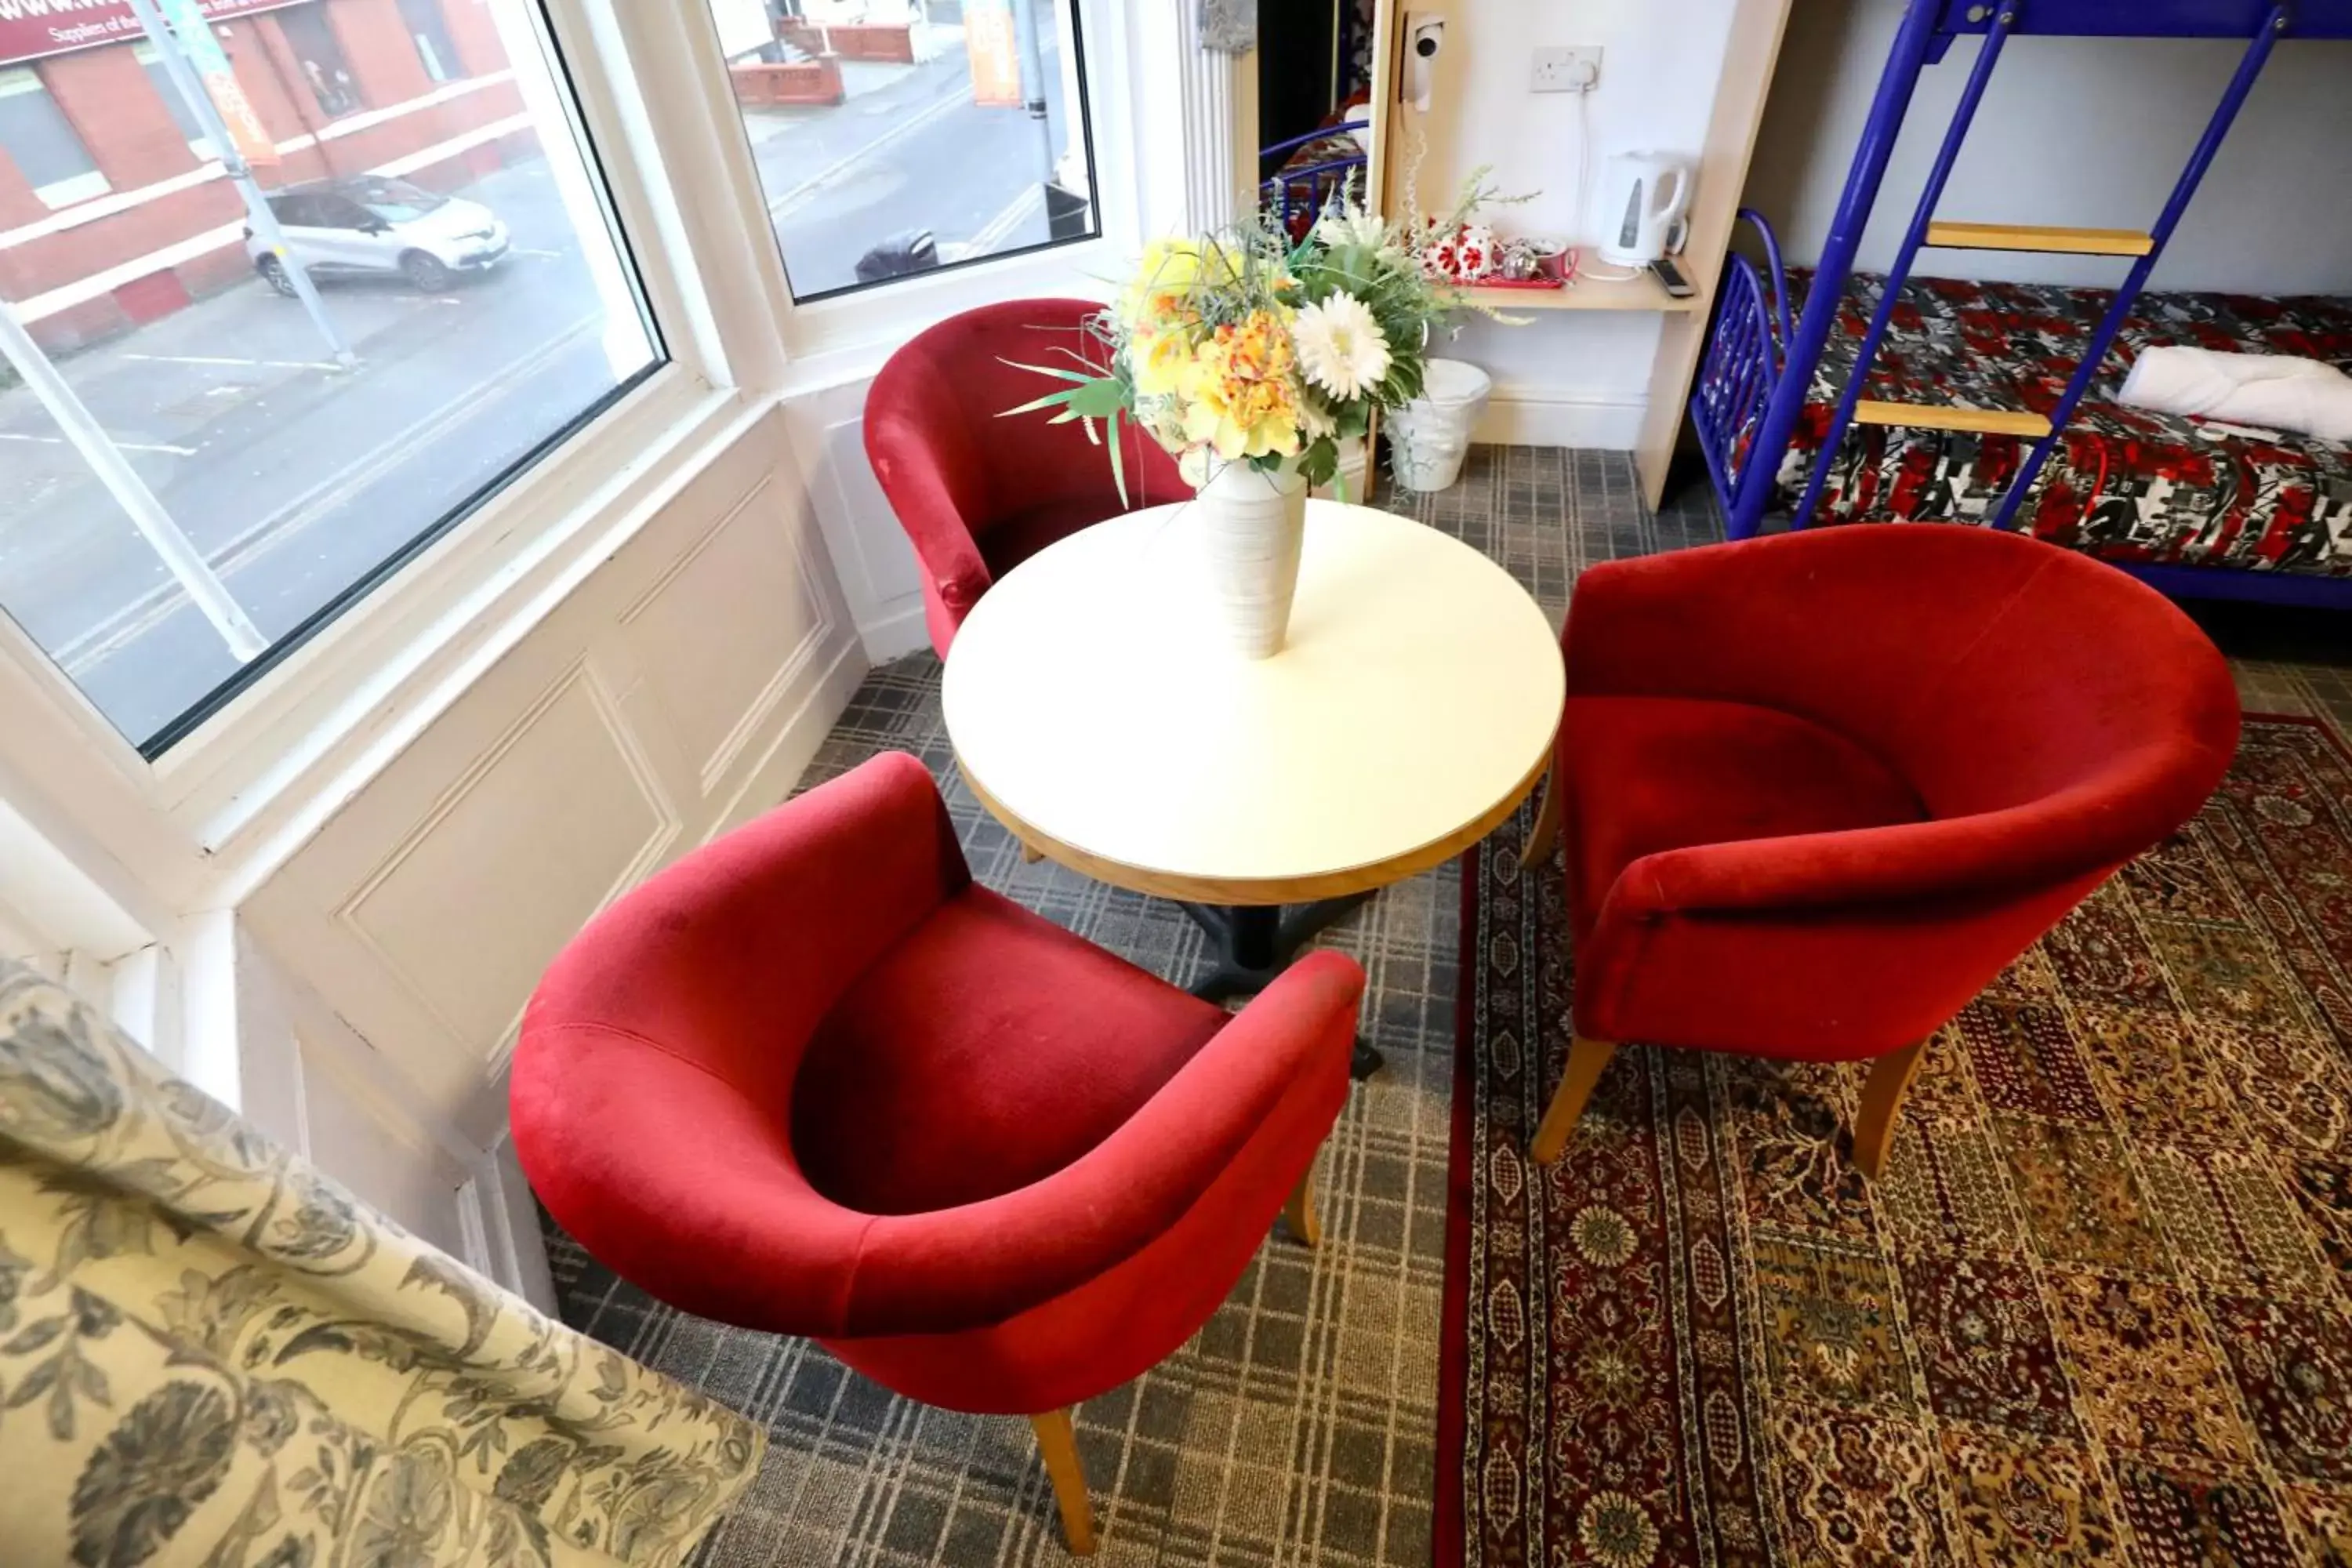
point(565, 808)
point(682, 687)
point(381, 1151)
point(724, 634)
point(875, 563)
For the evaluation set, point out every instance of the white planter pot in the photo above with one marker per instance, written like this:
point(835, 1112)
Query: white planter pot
point(1250, 525)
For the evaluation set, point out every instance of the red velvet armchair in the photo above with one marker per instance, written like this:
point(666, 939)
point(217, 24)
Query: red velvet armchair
point(979, 493)
point(812, 1080)
point(1818, 790)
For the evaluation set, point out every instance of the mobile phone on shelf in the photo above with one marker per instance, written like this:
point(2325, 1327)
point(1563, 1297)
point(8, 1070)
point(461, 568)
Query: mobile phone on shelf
point(1677, 286)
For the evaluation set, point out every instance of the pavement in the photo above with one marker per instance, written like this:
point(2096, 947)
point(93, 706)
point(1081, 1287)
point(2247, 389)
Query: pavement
point(300, 481)
point(911, 151)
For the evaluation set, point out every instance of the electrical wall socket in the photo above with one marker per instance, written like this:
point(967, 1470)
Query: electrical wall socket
point(1567, 67)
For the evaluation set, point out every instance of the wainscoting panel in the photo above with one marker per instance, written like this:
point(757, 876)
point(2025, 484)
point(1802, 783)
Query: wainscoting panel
point(378, 1148)
point(564, 794)
point(680, 688)
point(876, 566)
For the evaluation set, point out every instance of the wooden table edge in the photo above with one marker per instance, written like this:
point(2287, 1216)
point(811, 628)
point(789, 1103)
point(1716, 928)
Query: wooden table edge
point(1258, 891)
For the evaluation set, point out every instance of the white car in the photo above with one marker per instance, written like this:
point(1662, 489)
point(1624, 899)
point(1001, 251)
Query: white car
point(372, 223)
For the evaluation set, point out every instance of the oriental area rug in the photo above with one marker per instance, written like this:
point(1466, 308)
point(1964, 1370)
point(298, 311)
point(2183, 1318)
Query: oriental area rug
point(2099, 1311)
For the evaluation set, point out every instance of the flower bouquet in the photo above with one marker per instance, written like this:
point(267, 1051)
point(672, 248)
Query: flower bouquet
point(1250, 357)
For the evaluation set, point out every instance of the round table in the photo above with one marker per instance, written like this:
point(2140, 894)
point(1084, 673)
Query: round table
point(1096, 712)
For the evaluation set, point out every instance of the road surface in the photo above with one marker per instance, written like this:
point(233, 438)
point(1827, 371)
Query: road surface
point(298, 480)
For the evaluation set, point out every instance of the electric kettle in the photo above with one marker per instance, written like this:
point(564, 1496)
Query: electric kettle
point(1642, 202)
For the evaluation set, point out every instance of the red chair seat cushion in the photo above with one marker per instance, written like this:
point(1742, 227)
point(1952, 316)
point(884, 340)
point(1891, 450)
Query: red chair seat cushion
point(988, 1049)
point(1651, 773)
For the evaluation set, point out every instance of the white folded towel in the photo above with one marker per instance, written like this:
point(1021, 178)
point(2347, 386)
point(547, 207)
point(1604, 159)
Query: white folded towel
point(2279, 392)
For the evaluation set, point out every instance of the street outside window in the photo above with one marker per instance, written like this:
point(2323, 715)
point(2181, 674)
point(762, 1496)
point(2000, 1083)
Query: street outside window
point(893, 137)
point(43, 143)
point(225, 418)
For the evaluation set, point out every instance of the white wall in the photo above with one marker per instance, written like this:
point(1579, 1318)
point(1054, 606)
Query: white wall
point(1574, 377)
point(2086, 131)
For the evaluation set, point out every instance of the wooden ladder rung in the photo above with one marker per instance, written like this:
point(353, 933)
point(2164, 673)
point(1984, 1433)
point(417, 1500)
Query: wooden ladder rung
point(2040, 236)
point(1925, 416)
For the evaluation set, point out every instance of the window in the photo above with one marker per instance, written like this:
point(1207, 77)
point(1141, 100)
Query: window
point(242, 486)
point(429, 30)
point(318, 54)
point(891, 140)
point(43, 142)
point(160, 78)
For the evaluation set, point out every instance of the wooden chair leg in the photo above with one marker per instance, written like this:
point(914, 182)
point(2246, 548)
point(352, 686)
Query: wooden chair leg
point(1881, 1102)
point(1546, 836)
point(1031, 853)
point(1299, 1215)
point(1587, 1059)
point(1059, 1444)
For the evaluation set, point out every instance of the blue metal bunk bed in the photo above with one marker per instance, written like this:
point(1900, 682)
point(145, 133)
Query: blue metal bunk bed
point(1314, 168)
point(1762, 375)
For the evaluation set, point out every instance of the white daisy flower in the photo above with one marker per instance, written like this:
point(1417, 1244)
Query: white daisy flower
point(1340, 346)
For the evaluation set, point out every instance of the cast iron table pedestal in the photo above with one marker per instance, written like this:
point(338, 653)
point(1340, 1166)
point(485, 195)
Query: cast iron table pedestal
point(1257, 941)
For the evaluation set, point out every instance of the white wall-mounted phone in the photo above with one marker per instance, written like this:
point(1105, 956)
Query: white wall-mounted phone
point(1424, 36)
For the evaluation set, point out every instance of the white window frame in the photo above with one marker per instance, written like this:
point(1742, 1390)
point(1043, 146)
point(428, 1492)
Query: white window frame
point(209, 820)
point(845, 338)
point(217, 808)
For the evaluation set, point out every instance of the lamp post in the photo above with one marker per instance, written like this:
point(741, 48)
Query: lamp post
point(1032, 76)
point(178, 43)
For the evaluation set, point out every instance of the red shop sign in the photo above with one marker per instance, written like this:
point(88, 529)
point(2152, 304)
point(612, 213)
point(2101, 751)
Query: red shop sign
point(31, 28)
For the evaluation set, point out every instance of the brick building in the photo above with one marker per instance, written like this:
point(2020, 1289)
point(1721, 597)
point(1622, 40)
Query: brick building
point(113, 210)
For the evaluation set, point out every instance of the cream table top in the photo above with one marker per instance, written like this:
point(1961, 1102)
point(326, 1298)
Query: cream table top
point(1411, 709)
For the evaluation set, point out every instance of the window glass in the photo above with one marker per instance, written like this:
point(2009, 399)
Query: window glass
point(159, 82)
point(319, 54)
point(193, 477)
point(895, 136)
point(42, 143)
point(430, 33)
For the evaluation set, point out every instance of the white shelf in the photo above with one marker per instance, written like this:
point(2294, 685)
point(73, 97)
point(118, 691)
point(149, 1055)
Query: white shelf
point(1643, 293)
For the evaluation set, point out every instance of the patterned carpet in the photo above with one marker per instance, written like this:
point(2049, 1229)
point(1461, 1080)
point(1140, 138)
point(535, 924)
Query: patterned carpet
point(1300, 1426)
point(2099, 1311)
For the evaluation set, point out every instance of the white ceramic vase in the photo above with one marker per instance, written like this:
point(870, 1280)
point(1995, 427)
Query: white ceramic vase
point(1250, 524)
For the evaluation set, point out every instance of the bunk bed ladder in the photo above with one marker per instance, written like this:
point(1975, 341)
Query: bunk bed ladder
point(1920, 41)
point(1890, 293)
point(2275, 26)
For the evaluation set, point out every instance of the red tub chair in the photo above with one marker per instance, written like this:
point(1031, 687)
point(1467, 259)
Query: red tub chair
point(1818, 790)
point(979, 492)
point(810, 1079)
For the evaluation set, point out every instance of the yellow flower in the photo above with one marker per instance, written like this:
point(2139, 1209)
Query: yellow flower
point(1158, 359)
point(1158, 296)
point(1239, 393)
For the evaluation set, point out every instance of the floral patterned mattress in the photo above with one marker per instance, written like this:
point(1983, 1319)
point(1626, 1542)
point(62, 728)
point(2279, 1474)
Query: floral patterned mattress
point(2124, 483)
